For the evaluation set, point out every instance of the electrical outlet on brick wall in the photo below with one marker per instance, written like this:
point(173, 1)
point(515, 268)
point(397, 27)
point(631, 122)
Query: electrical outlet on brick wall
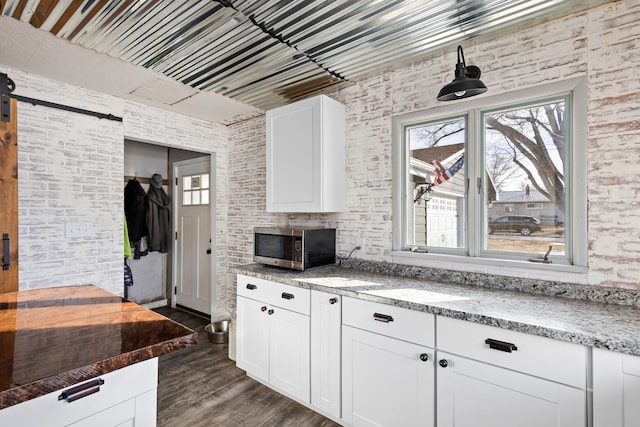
point(78, 229)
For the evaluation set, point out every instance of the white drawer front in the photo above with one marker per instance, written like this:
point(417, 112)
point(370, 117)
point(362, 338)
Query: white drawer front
point(252, 287)
point(273, 293)
point(543, 357)
point(119, 386)
point(395, 322)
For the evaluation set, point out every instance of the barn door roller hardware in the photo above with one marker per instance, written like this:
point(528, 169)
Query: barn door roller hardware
point(7, 86)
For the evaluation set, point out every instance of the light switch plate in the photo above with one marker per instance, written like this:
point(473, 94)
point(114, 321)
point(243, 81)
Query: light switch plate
point(78, 229)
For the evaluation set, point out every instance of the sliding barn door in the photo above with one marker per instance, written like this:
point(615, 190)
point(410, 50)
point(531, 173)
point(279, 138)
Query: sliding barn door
point(9, 198)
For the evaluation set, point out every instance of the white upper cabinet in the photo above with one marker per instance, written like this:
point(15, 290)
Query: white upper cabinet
point(306, 156)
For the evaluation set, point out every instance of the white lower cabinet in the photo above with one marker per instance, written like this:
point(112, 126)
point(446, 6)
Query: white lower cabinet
point(493, 377)
point(476, 394)
point(127, 397)
point(616, 389)
point(273, 342)
point(386, 381)
point(326, 342)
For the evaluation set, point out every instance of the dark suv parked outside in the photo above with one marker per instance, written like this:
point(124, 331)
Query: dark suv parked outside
point(522, 224)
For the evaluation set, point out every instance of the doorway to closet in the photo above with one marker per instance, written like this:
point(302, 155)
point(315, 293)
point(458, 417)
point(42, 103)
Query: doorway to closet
point(158, 278)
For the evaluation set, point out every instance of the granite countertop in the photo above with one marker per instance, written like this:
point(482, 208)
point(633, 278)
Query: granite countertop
point(596, 324)
point(57, 337)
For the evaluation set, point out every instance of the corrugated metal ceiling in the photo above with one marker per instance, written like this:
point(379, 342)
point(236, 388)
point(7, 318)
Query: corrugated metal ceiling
point(266, 53)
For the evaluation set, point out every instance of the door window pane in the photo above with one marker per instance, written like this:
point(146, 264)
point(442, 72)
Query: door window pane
point(436, 184)
point(195, 190)
point(525, 191)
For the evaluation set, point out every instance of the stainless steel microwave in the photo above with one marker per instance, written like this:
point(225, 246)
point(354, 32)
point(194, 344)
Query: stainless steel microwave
point(297, 248)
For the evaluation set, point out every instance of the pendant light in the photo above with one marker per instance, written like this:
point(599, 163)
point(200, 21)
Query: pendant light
point(466, 83)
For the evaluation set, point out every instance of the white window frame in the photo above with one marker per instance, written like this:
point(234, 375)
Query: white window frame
point(473, 260)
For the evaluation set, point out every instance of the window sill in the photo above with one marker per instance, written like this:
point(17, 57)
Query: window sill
point(521, 269)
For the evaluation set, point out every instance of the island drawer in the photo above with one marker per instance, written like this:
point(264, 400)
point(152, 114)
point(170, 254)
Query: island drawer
point(273, 293)
point(396, 322)
point(543, 357)
point(124, 396)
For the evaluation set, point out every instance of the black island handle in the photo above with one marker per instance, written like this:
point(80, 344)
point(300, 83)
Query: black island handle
point(82, 390)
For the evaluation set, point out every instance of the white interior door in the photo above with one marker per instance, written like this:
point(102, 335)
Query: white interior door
point(194, 258)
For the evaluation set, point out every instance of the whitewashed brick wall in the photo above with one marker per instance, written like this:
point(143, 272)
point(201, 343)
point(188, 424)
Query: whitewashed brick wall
point(601, 45)
point(70, 166)
point(70, 169)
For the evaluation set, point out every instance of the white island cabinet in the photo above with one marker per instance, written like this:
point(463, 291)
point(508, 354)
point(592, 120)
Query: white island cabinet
point(306, 156)
point(387, 365)
point(124, 397)
point(493, 377)
point(616, 389)
point(273, 333)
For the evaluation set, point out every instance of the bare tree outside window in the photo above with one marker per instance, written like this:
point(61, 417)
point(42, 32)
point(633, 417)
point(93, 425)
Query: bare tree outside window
point(525, 152)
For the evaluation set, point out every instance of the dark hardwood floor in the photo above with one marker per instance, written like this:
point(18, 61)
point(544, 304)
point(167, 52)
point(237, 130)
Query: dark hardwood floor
point(201, 386)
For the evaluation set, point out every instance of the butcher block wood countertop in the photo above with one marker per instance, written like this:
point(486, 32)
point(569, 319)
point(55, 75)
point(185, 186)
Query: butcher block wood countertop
point(56, 337)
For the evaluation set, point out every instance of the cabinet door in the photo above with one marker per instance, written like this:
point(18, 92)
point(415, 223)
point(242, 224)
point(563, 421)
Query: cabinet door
point(306, 156)
point(616, 389)
point(475, 394)
point(252, 338)
point(326, 319)
point(385, 381)
point(289, 363)
point(293, 158)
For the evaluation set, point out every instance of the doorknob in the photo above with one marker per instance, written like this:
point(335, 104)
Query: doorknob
point(209, 251)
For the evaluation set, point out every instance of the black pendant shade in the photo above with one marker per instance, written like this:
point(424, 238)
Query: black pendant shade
point(466, 83)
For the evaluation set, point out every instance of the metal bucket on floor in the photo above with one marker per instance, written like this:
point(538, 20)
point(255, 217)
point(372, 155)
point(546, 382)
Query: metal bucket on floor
point(218, 331)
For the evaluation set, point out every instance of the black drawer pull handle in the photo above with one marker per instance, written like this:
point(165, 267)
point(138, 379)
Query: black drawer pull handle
point(382, 317)
point(251, 287)
point(83, 390)
point(500, 345)
point(333, 300)
point(286, 295)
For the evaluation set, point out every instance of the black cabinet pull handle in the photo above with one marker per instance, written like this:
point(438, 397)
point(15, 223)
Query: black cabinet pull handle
point(251, 287)
point(443, 363)
point(83, 390)
point(286, 295)
point(501, 345)
point(263, 308)
point(6, 253)
point(424, 357)
point(270, 312)
point(385, 318)
point(333, 300)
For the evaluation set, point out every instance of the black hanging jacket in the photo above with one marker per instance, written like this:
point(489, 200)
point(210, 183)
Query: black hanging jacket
point(158, 219)
point(135, 210)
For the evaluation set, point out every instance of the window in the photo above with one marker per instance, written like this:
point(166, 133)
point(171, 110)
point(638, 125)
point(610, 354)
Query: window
point(195, 190)
point(498, 177)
